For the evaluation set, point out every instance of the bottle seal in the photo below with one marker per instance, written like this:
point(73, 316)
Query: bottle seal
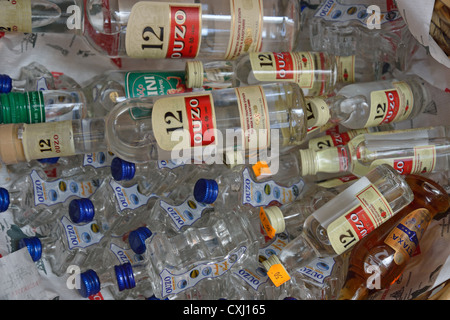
point(4, 200)
point(206, 191)
point(136, 239)
point(81, 210)
point(122, 170)
point(34, 246)
point(194, 74)
point(17, 107)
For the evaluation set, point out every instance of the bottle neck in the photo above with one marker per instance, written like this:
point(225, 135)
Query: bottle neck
point(216, 75)
point(330, 160)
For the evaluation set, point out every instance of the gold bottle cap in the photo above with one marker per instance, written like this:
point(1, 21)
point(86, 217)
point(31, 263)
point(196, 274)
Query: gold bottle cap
point(194, 74)
point(320, 113)
point(11, 148)
point(276, 218)
point(307, 161)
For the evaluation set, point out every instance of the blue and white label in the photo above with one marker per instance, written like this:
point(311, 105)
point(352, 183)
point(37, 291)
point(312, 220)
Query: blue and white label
point(124, 255)
point(170, 164)
point(81, 236)
point(185, 214)
point(274, 247)
point(98, 159)
point(129, 197)
point(174, 283)
point(319, 269)
point(267, 193)
point(254, 278)
point(50, 193)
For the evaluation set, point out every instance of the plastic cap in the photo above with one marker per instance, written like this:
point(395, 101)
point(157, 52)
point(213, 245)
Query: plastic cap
point(122, 170)
point(5, 83)
point(34, 246)
point(137, 238)
point(125, 276)
point(81, 210)
point(49, 160)
point(308, 164)
point(276, 218)
point(194, 74)
point(206, 190)
point(18, 107)
point(4, 199)
point(89, 283)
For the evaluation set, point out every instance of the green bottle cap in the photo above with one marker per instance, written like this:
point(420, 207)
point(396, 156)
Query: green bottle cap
point(17, 107)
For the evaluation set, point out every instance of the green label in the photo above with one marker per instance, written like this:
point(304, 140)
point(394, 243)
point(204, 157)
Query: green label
point(139, 84)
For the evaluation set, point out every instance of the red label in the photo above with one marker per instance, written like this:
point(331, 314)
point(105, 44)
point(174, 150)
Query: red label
point(392, 107)
point(343, 159)
point(340, 139)
point(403, 166)
point(200, 119)
point(360, 222)
point(285, 66)
point(184, 37)
point(348, 178)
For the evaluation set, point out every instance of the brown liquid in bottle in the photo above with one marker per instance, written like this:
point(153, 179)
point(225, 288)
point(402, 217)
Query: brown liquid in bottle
point(373, 251)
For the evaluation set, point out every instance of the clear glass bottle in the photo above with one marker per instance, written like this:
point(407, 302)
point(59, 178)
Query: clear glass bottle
point(34, 199)
point(339, 224)
point(409, 151)
point(317, 73)
point(143, 129)
point(379, 254)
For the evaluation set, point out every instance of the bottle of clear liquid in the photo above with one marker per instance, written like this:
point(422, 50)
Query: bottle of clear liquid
point(317, 73)
point(339, 224)
point(34, 199)
point(380, 254)
point(144, 29)
point(409, 151)
point(199, 126)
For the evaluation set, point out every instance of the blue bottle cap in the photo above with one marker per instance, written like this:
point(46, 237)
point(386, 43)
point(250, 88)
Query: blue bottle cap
point(125, 276)
point(5, 83)
point(34, 246)
point(206, 190)
point(122, 170)
point(49, 160)
point(89, 283)
point(4, 199)
point(137, 238)
point(81, 210)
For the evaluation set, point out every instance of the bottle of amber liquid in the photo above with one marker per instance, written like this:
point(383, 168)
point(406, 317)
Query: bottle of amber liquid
point(379, 259)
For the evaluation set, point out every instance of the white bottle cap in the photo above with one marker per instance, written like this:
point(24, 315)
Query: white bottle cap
point(276, 218)
point(272, 260)
point(307, 162)
point(320, 112)
point(194, 74)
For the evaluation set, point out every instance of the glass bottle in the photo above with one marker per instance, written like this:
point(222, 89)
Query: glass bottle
point(317, 73)
point(379, 254)
point(409, 151)
point(143, 129)
point(339, 224)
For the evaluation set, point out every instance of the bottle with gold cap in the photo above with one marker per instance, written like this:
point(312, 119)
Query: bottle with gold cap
point(409, 151)
point(380, 258)
point(338, 225)
point(317, 73)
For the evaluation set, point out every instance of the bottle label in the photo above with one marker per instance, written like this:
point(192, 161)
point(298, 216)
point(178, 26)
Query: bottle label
point(143, 84)
point(274, 247)
point(266, 193)
point(129, 197)
point(278, 274)
point(124, 255)
point(298, 67)
point(185, 214)
point(246, 28)
point(184, 122)
point(176, 282)
point(405, 237)
point(50, 193)
point(423, 161)
point(170, 164)
point(334, 139)
point(163, 30)
point(48, 140)
point(370, 212)
point(254, 278)
point(319, 269)
point(254, 116)
point(346, 69)
point(391, 105)
point(98, 159)
point(15, 16)
point(81, 236)
point(333, 160)
point(317, 114)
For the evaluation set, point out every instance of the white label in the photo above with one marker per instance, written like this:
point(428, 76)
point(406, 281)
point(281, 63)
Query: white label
point(267, 193)
point(81, 236)
point(254, 278)
point(279, 242)
point(186, 213)
point(129, 197)
point(50, 193)
point(319, 269)
point(170, 164)
point(124, 255)
point(98, 159)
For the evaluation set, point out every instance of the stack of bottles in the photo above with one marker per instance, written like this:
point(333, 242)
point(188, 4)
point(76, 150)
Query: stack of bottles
point(271, 167)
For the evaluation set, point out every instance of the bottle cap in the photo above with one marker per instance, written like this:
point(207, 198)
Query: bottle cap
point(276, 218)
point(11, 148)
point(320, 112)
point(4, 199)
point(89, 283)
point(81, 210)
point(307, 162)
point(206, 190)
point(5, 83)
point(122, 170)
point(272, 260)
point(137, 238)
point(194, 74)
point(34, 246)
point(125, 276)
point(17, 107)
point(49, 160)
